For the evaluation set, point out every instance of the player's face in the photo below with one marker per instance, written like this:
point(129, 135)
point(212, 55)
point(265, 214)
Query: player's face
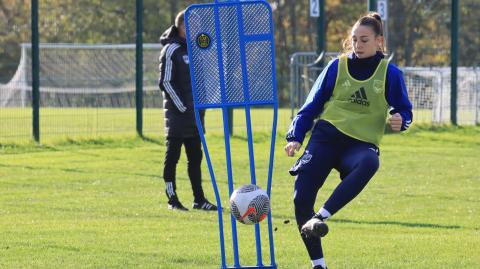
point(364, 41)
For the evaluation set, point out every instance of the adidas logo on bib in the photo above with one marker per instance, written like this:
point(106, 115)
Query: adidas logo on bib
point(360, 97)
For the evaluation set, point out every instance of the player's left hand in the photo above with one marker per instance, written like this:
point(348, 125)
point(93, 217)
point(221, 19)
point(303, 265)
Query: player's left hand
point(395, 122)
point(291, 147)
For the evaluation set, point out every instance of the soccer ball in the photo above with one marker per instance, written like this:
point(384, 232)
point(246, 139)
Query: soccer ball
point(249, 204)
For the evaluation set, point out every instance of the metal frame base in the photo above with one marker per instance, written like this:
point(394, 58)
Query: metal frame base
point(253, 267)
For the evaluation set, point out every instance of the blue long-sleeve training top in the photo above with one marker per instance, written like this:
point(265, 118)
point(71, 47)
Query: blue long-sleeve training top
point(360, 69)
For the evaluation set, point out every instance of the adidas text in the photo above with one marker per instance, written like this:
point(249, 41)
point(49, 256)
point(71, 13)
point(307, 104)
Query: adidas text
point(360, 102)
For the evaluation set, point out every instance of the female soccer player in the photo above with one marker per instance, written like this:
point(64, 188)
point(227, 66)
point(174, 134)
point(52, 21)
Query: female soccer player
point(353, 96)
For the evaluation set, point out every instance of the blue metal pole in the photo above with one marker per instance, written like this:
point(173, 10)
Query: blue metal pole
point(226, 134)
point(246, 95)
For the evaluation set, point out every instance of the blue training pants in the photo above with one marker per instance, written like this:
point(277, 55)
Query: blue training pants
point(356, 161)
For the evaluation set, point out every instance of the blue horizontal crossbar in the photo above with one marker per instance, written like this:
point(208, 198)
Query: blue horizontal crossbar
point(249, 38)
point(242, 104)
point(257, 267)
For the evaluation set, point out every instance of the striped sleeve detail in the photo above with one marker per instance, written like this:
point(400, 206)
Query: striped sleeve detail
point(168, 76)
point(170, 189)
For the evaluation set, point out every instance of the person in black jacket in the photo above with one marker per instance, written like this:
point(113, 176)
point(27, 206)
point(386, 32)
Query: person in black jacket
point(180, 124)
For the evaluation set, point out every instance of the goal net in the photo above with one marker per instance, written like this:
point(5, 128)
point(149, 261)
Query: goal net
point(76, 75)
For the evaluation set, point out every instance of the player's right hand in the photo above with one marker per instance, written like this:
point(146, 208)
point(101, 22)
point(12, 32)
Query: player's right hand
point(396, 122)
point(291, 147)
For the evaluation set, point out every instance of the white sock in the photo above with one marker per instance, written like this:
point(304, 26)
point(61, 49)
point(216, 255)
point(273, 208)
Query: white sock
point(320, 262)
point(325, 214)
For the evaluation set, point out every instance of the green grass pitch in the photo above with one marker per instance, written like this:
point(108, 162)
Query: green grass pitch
point(78, 123)
point(100, 203)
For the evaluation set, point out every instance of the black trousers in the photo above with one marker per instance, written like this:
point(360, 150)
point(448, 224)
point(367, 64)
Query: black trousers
point(193, 149)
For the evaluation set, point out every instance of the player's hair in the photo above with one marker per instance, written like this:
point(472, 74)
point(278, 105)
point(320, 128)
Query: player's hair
point(372, 20)
point(180, 19)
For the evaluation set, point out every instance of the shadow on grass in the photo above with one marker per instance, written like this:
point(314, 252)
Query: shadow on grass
point(82, 171)
point(24, 148)
point(18, 166)
point(157, 141)
point(398, 223)
point(291, 220)
point(69, 144)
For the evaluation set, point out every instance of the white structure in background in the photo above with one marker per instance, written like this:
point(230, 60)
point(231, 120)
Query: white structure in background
point(82, 75)
point(428, 89)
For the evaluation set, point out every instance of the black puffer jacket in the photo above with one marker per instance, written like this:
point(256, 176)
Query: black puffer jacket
point(176, 86)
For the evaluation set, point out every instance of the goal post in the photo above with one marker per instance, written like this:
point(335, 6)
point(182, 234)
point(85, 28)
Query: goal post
point(75, 77)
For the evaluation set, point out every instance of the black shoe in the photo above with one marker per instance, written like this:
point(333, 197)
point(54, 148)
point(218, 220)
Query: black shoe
point(319, 267)
point(176, 205)
point(205, 205)
point(314, 227)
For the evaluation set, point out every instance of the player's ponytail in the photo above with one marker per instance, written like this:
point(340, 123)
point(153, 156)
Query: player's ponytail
point(372, 20)
point(376, 16)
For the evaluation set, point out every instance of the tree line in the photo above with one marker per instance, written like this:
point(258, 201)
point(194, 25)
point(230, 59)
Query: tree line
point(418, 31)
